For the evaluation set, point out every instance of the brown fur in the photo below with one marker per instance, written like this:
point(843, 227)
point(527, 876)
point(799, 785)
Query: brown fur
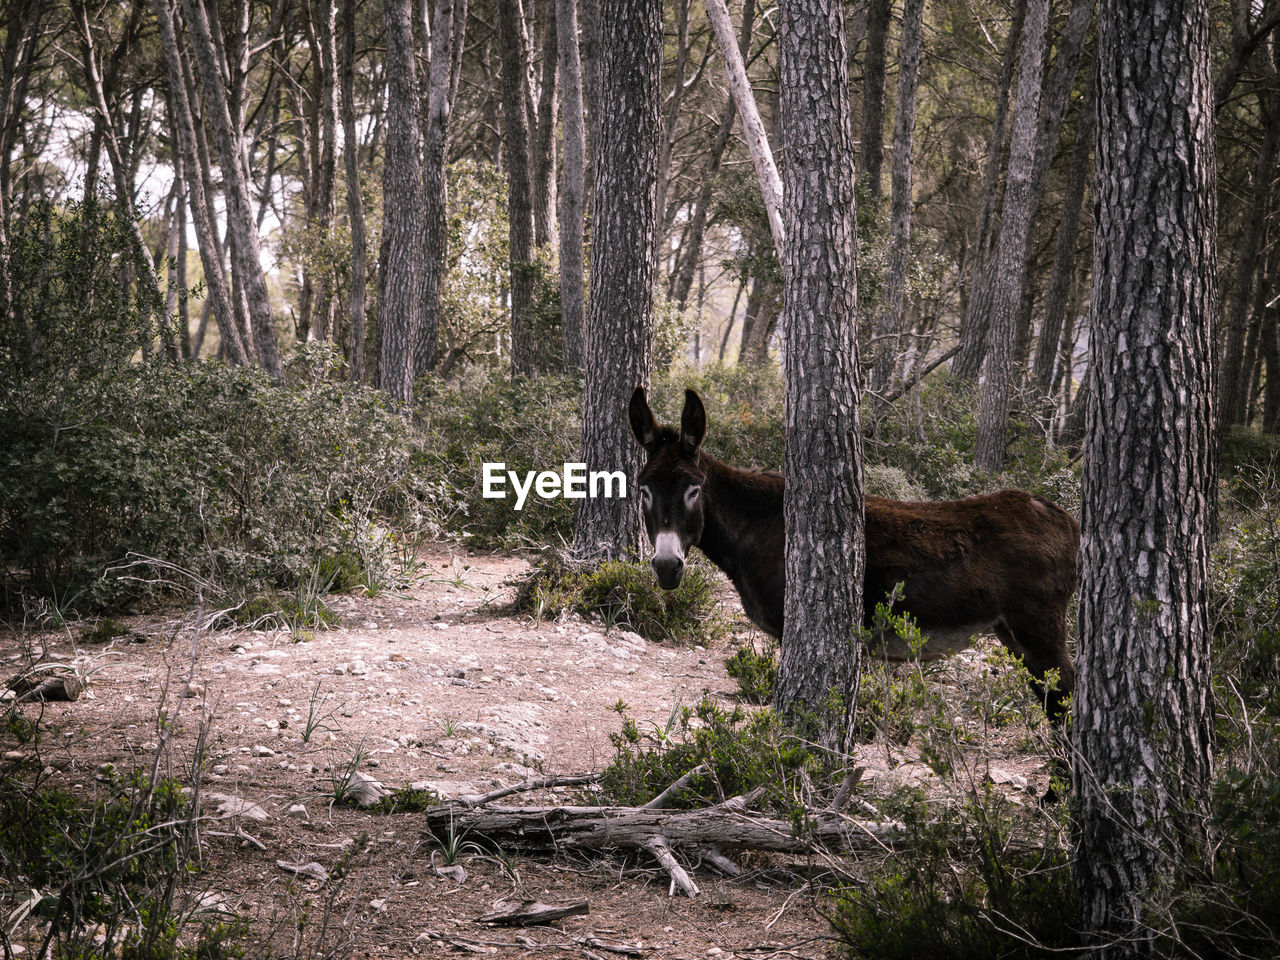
point(1002, 562)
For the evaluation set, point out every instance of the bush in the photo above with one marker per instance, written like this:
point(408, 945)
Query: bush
point(625, 595)
point(755, 670)
point(204, 467)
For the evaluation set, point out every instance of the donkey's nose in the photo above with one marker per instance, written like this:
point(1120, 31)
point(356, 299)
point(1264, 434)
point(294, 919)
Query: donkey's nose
point(669, 570)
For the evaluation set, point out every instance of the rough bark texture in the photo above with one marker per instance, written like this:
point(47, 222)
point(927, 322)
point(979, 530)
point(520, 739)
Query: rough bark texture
point(572, 186)
point(515, 118)
point(1010, 270)
point(355, 199)
point(544, 146)
point(447, 36)
point(872, 146)
point(240, 222)
point(623, 224)
point(973, 328)
point(823, 504)
point(400, 261)
point(890, 328)
point(206, 237)
point(1143, 702)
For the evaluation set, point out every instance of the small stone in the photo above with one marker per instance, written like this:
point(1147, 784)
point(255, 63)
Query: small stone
point(221, 769)
point(358, 668)
point(312, 870)
point(261, 751)
point(14, 756)
point(298, 811)
point(193, 689)
point(371, 624)
point(364, 789)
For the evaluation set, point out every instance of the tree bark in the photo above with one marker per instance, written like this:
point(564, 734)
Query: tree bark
point(572, 187)
point(355, 199)
point(1011, 252)
point(872, 147)
point(400, 262)
point(1143, 703)
point(1064, 257)
point(515, 58)
point(447, 37)
point(753, 131)
point(973, 328)
point(691, 248)
point(823, 505)
point(219, 293)
point(1234, 380)
point(891, 326)
point(244, 248)
point(624, 223)
point(544, 146)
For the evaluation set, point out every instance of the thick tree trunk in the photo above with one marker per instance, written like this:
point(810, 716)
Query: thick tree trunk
point(620, 314)
point(973, 328)
point(515, 59)
point(355, 199)
point(753, 131)
point(1143, 703)
point(219, 293)
point(322, 212)
point(823, 507)
point(1011, 252)
point(230, 138)
point(890, 328)
point(673, 113)
point(447, 37)
point(400, 262)
point(872, 146)
point(572, 187)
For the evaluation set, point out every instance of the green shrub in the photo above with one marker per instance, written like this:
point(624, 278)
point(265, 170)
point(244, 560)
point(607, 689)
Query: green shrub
point(755, 671)
point(206, 468)
point(736, 750)
point(488, 418)
point(625, 595)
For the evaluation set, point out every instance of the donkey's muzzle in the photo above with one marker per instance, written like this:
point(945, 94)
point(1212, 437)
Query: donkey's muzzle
point(669, 570)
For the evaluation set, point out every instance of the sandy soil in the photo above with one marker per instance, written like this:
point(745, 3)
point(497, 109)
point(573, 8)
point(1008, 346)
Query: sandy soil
point(433, 686)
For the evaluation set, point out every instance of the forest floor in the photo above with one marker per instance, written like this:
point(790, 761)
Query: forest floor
point(437, 686)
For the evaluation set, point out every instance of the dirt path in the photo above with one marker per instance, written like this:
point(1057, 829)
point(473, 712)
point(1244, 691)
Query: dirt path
point(427, 686)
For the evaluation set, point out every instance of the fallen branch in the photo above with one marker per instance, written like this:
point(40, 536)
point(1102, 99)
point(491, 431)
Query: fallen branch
point(661, 832)
point(532, 913)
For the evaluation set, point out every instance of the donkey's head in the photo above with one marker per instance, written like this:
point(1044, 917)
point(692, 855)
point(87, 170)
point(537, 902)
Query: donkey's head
point(671, 483)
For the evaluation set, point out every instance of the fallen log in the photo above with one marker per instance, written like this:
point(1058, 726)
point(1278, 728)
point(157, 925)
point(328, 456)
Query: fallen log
point(725, 826)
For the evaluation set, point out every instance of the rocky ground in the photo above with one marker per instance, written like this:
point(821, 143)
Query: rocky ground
point(437, 687)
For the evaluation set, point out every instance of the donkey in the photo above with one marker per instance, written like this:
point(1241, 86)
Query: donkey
point(1002, 562)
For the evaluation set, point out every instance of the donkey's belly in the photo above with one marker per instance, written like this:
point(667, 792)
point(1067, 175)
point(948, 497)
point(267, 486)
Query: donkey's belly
point(940, 642)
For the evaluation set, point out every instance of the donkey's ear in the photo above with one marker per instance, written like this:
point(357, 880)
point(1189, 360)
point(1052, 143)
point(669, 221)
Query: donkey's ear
point(642, 422)
point(693, 423)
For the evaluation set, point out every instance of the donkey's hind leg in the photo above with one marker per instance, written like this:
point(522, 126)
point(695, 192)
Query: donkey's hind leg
point(1043, 647)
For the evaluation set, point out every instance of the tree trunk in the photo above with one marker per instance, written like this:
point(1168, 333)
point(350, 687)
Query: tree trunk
point(973, 328)
point(219, 293)
point(753, 131)
point(1234, 378)
point(891, 327)
point(515, 118)
point(1011, 252)
point(1064, 258)
point(239, 213)
point(400, 262)
point(1143, 703)
point(691, 248)
point(673, 112)
point(447, 36)
point(624, 223)
point(322, 212)
point(355, 199)
point(544, 146)
point(572, 187)
point(872, 146)
point(823, 507)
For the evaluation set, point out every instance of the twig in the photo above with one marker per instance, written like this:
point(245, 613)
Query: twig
point(679, 876)
point(904, 387)
point(528, 785)
point(662, 800)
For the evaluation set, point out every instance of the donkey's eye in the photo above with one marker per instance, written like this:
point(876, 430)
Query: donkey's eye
point(646, 497)
point(691, 496)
